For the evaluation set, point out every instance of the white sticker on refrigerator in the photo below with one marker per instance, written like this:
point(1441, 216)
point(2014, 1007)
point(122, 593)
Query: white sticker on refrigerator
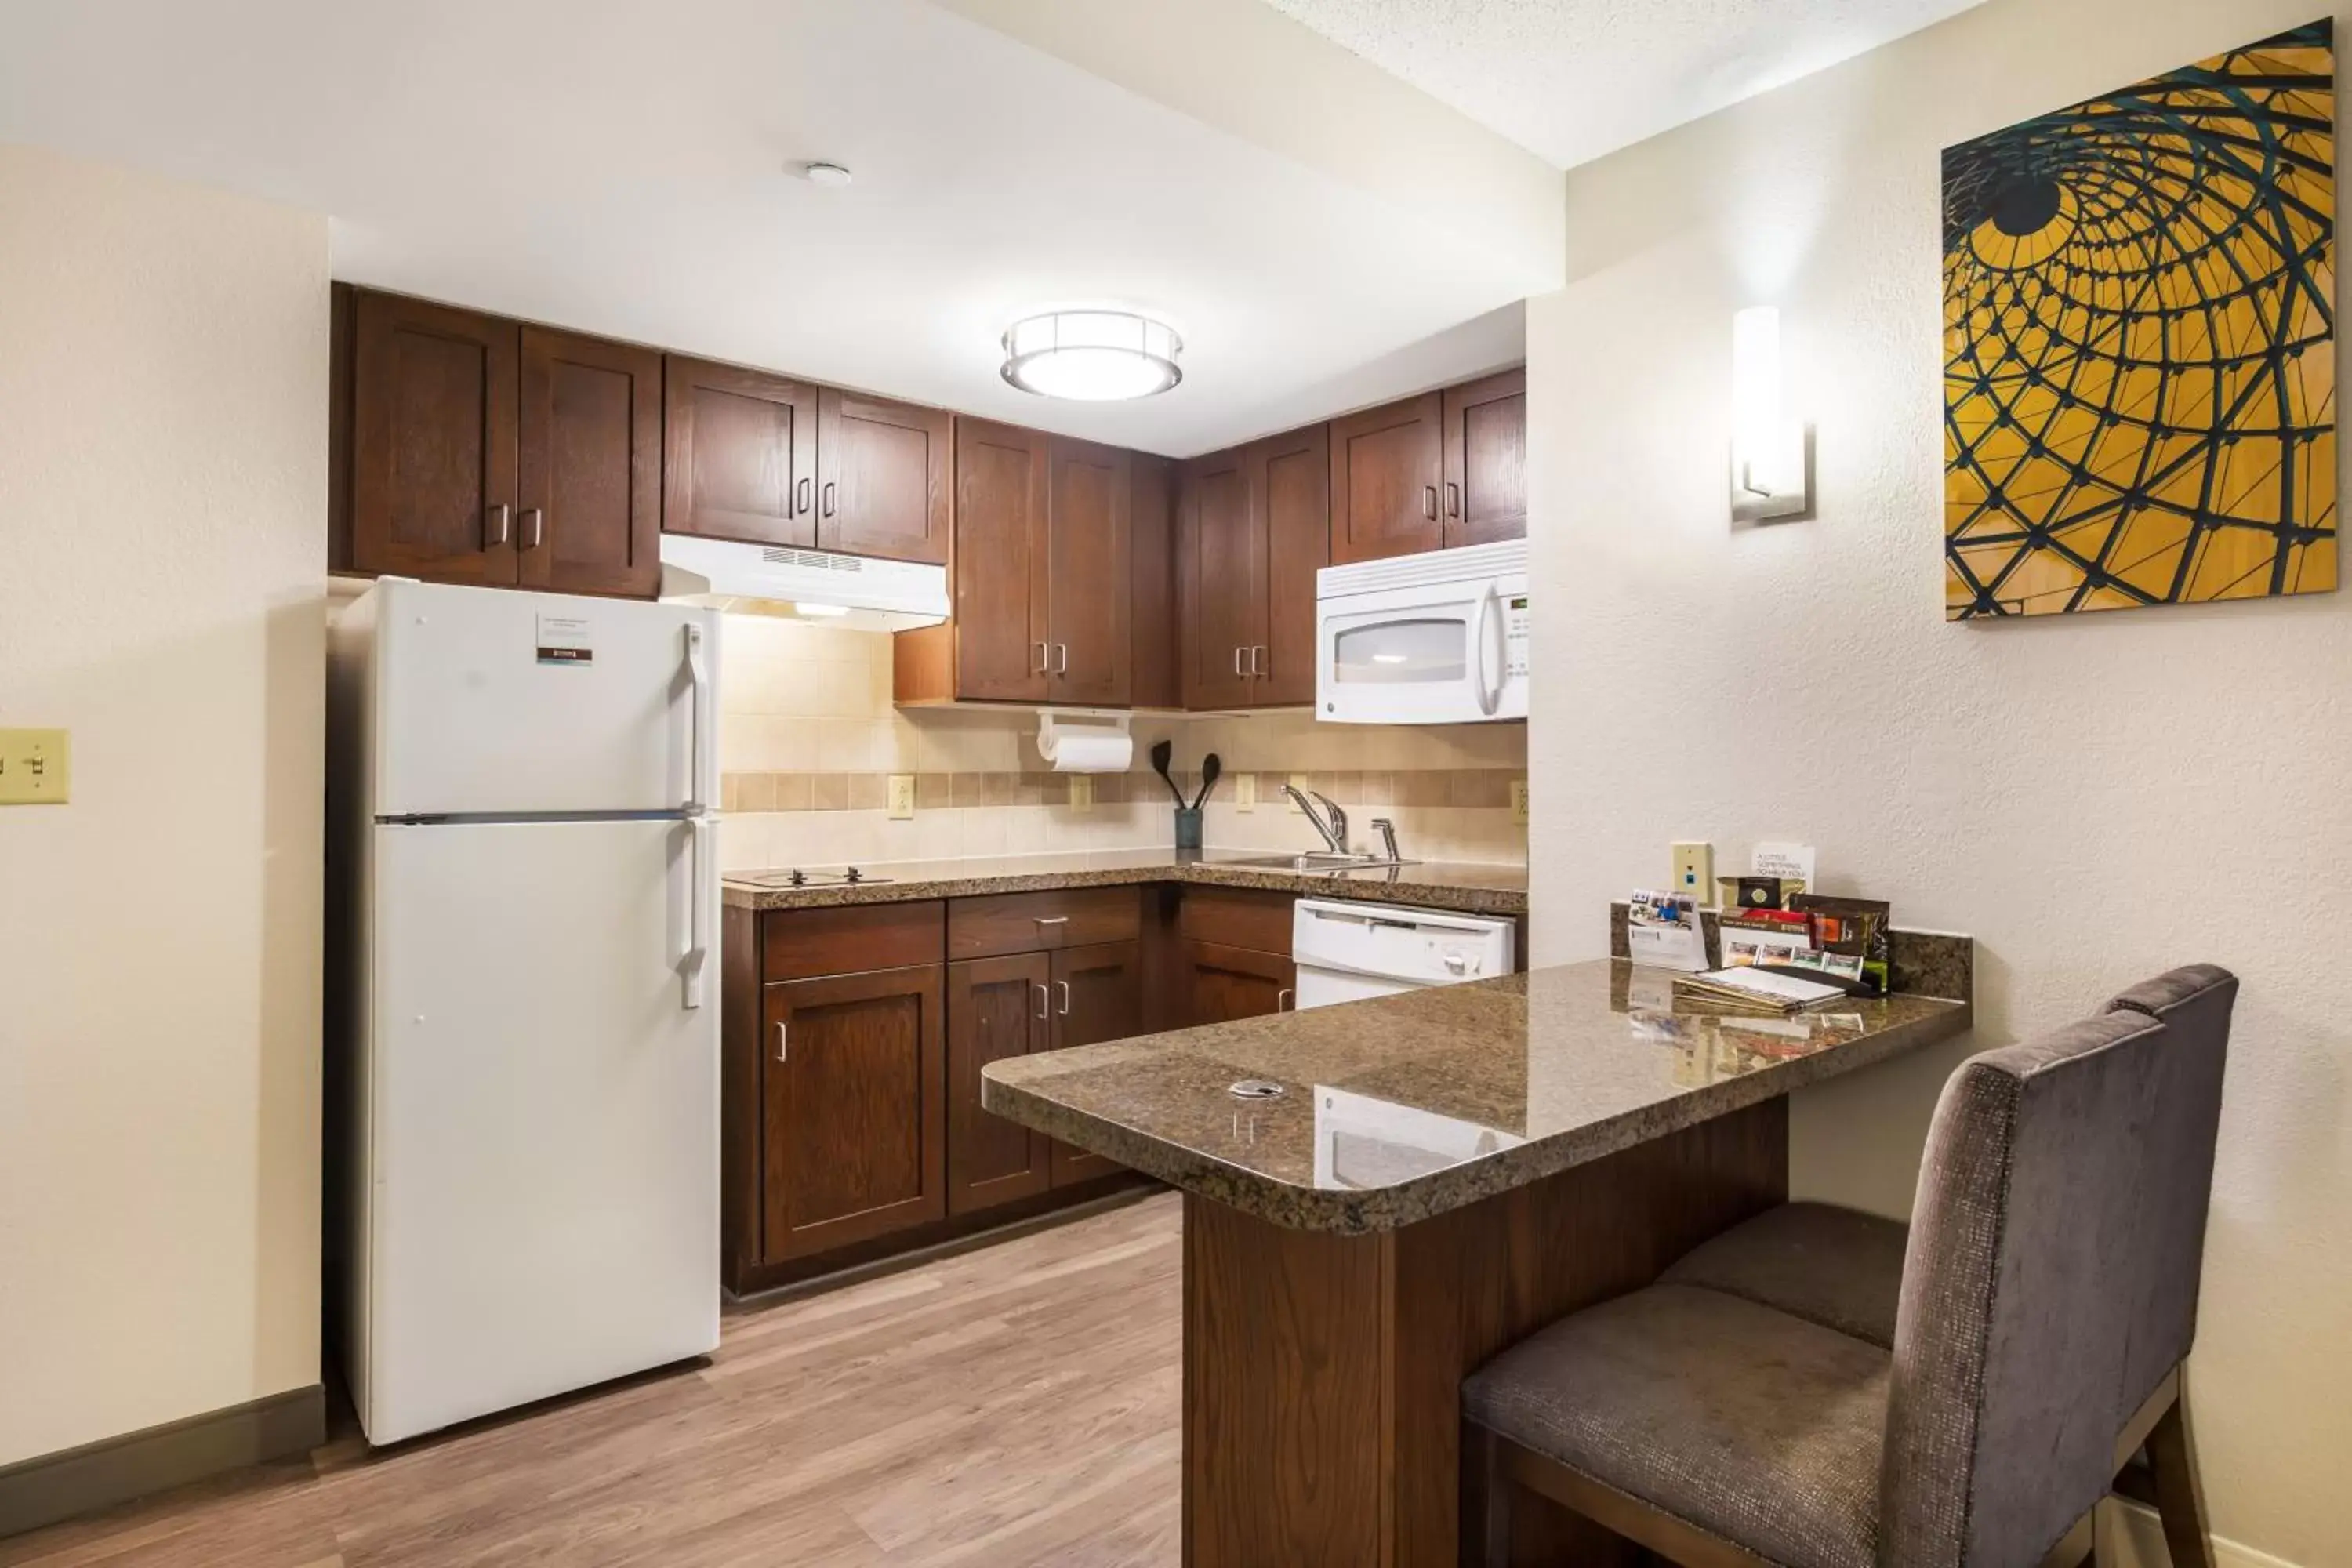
point(566, 639)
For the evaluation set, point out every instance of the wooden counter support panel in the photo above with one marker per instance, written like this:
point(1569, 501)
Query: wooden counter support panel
point(1322, 1373)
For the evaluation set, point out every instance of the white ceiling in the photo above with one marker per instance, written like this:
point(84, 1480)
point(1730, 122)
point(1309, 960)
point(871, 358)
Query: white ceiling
point(1571, 79)
point(627, 167)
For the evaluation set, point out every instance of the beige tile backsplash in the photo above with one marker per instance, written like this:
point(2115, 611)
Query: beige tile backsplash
point(808, 739)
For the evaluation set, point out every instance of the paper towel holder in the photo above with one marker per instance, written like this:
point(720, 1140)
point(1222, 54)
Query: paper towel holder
point(1055, 724)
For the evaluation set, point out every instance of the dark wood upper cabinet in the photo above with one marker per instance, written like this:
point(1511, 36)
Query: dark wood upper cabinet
point(1097, 995)
point(997, 1007)
point(884, 471)
point(1289, 478)
point(1388, 468)
point(1486, 460)
point(1003, 613)
point(1220, 584)
point(1089, 592)
point(433, 411)
point(854, 1125)
point(589, 516)
point(739, 454)
point(1153, 679)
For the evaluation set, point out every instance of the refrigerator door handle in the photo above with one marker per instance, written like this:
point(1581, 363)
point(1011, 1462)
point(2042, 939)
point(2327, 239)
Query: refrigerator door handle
point(696, 960)
point(698, 674)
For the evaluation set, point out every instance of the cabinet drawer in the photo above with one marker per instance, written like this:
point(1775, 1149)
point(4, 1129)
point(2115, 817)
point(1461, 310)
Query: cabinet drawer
point(1238, 917)
point(801, 944)
point(1033, 923)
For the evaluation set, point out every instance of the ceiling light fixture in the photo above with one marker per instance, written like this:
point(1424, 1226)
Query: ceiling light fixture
point(1092, 356)
point(826, 173)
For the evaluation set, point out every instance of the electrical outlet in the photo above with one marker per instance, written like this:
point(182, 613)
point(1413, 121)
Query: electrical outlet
point(1695, 871)
point(902, 796)
point(1245, 792)
point(1519, 800)
point(36, 767)
point(1082, 791)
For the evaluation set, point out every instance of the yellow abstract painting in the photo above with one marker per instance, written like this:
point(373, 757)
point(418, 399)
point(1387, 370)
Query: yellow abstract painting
point(2139, 325)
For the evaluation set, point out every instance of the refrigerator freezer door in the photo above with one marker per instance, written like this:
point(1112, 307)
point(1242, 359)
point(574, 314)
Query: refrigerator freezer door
point(493, 703)
point(544, 1158)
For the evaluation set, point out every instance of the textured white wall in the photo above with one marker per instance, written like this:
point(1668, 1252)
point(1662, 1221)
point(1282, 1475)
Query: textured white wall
point(162, 560)
point(2094, 798)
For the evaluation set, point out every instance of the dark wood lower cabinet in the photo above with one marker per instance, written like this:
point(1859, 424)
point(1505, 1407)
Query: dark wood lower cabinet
point(1230, 982)
point(1098, 997)
point(997, 1007)
point(854, 1124)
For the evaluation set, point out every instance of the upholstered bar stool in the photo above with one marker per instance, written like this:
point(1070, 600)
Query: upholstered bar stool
point(1824, 1389)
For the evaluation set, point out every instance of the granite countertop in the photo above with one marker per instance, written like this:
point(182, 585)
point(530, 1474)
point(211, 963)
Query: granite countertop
point(1428, 1101)
point(1472, 889)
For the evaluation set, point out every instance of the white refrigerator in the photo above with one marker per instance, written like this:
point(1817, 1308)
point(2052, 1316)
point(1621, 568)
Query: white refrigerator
point(527, 1133)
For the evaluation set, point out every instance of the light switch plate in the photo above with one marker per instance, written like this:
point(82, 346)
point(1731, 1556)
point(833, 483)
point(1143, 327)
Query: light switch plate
point(1082, 791)
point(36, 767)
point(1695, 871)
point(902, 796)
point(1519, 800)
point(1245, 792)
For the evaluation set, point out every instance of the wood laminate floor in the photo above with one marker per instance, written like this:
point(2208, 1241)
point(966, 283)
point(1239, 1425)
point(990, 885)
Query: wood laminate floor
point(1016, 1405)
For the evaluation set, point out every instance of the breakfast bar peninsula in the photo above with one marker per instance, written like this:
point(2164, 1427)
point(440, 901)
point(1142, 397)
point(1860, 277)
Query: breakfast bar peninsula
point(1380, 1195)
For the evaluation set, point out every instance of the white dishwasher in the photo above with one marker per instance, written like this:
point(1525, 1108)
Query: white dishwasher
point(1347, 952)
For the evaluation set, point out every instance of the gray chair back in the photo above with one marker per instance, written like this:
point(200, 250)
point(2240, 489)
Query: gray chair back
point(2051, 1281)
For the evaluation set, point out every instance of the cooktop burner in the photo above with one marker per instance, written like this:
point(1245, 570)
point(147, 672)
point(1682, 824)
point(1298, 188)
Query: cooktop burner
point(798, 877)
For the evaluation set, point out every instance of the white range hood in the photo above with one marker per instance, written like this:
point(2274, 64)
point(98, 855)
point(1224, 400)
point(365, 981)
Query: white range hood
point(816, 584)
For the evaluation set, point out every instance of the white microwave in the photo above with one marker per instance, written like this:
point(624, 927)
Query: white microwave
point(1435, 638)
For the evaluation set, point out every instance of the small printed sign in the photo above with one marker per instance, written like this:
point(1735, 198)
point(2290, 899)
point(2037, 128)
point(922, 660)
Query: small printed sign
point(566, 639)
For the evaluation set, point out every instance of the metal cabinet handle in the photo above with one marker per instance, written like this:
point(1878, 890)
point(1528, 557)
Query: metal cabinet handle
point(534, 527)
point(829, 489)
point(1051, 920)
point(495, 523)
point(1453, 498)
point(1429, 503)
point(1285, 1000)
point(801, 495)
point(1044, 658)
point(1065, 996)
point(1258, 660)
point(1042, 1011)
point(783, 1040)
point(1239, 671)
point(1061, 658)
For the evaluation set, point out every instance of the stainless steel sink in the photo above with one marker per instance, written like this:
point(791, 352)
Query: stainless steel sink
point(1317, 862)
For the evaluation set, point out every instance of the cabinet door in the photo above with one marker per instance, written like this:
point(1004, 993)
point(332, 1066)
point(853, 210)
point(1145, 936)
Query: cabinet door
point(1290, 491)
point(854, 1125)
point(1486, 460)
point(1002, 634)
point(883, 478)
point(433, 402)
point(590, 513)
point(1153, 679)
point(1089, 590)
point(739, 454)
point(1230, 982)
point(1098, 997)
point(1221, 588)
point(997, 1007)
point(1386, 466)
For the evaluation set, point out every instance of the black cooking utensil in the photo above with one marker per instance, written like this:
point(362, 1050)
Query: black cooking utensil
point(1161, 750)
point(1211, 770)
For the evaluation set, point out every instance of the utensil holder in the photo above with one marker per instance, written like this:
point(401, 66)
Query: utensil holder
point(1188, 827)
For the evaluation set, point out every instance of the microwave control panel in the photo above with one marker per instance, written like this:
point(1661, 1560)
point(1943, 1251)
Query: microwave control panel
point(1514, 635)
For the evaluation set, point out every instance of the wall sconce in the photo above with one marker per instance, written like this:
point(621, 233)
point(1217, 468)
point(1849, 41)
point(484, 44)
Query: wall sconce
point(1772, 456)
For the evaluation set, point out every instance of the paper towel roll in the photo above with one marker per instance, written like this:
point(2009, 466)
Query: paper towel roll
point(1111, 752)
